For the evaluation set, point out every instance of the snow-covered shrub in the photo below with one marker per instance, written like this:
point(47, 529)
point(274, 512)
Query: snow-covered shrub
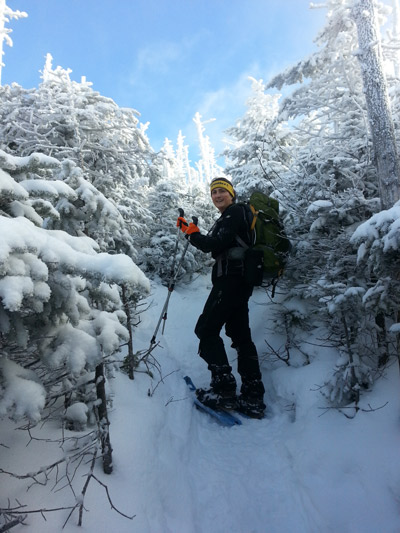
point(378, 243)
point(60, 311)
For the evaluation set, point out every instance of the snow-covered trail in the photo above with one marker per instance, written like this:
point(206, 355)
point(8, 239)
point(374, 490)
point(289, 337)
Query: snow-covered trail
point(300, 470)
point(181, 472)
point(201, 477)
point(185, 473)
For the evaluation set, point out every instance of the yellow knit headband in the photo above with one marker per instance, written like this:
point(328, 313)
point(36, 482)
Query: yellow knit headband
point(224, 184)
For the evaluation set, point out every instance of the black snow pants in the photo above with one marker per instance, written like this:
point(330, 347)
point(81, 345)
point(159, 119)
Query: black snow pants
point(227, 305)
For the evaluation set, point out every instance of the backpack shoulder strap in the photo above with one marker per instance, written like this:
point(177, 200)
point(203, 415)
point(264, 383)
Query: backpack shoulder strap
point(255, 215)
point(249, 218)
point(249, 214)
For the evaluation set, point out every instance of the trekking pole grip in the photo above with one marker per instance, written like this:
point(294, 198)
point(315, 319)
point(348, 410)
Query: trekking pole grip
point(195, 220)
point(181, 216)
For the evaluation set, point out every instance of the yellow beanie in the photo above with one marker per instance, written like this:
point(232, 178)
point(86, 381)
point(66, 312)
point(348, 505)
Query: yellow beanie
point(223, 183)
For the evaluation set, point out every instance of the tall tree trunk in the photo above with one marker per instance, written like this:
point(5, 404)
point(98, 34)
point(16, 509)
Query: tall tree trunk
point(379, 113)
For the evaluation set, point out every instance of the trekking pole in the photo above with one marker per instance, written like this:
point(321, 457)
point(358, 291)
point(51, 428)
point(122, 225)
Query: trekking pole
point(171, 287)
point(181, 214)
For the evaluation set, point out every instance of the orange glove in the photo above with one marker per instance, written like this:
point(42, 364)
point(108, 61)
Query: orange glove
point(182, 224)
point(192, 228)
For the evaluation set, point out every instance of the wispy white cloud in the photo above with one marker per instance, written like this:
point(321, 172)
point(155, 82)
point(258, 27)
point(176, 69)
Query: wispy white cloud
point(159, 57)
point(226, 105)
point(156, 57)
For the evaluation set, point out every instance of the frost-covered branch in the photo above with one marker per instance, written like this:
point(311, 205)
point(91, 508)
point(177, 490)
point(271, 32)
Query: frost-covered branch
point(6, 13)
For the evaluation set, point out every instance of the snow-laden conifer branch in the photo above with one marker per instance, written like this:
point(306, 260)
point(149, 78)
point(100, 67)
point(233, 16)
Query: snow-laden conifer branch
point(6, 13)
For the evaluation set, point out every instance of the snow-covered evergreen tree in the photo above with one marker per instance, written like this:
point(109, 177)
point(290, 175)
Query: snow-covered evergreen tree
point(207, 165)
point(60, 308)
point(66, 119)
point(378, 255)
point(350, 194)
point(259, 153)
point(165, 199)
point(329, 186)
point(185, 171)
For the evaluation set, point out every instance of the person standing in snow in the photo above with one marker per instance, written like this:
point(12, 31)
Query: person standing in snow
point(227, 305)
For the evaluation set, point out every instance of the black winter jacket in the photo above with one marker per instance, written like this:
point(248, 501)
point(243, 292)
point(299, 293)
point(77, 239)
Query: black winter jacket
point(221, 240)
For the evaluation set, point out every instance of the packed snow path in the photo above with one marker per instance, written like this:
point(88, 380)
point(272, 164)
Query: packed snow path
point(295, 471)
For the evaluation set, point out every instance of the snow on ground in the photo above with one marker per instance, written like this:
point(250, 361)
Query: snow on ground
point(302, 469)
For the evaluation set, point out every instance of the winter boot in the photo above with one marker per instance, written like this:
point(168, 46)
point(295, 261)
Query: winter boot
point(251, 399)
point(222, 393)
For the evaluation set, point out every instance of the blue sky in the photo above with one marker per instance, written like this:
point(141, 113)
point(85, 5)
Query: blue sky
point(166, 58)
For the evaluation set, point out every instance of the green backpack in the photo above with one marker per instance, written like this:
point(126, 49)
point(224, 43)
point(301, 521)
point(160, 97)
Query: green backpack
point(266, 258)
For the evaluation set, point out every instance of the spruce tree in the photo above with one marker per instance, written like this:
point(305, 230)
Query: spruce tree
point(69, 120)
point(329, 186)
point(259, 153)
point(60, 309)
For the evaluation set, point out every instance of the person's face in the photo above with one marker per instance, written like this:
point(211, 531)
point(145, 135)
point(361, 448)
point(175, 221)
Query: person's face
point(221, 198)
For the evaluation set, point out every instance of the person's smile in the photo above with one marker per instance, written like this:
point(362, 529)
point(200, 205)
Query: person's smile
point(221, 198)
